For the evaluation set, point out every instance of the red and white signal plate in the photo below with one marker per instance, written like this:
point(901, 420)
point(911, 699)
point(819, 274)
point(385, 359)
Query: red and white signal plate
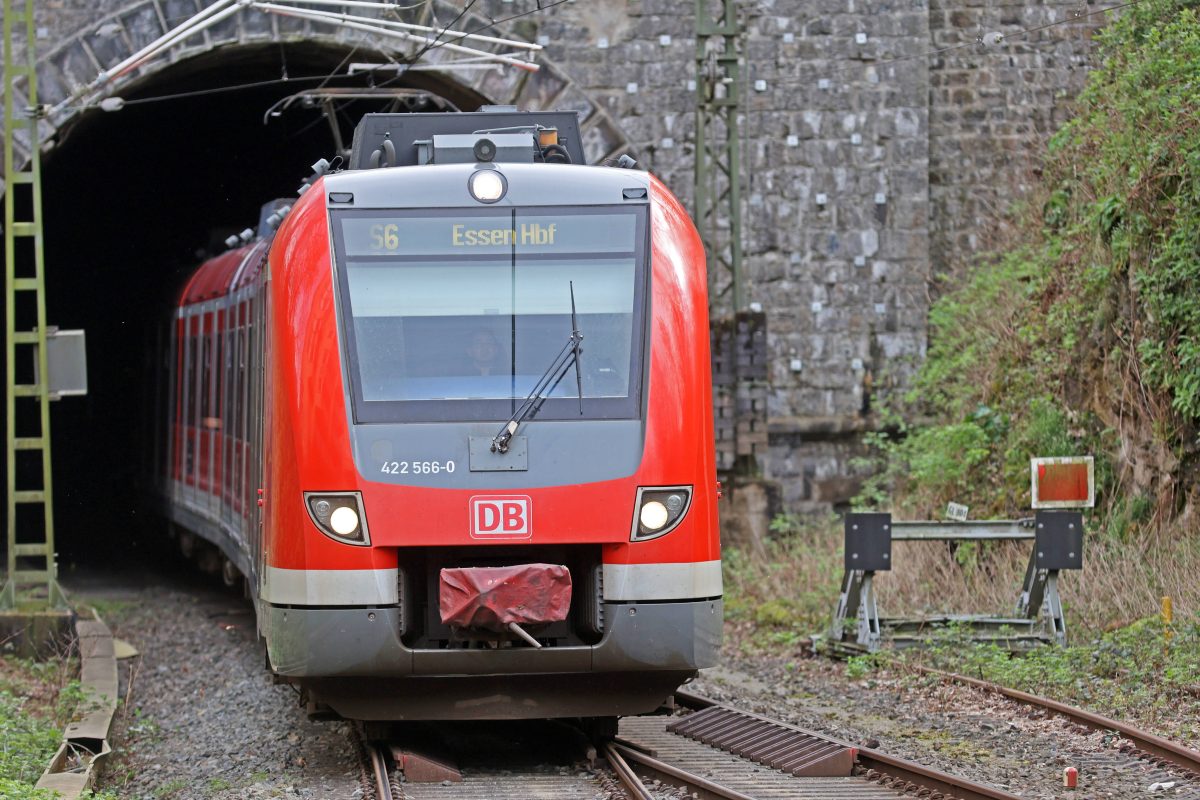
point(1066, 482)
point(501, 517)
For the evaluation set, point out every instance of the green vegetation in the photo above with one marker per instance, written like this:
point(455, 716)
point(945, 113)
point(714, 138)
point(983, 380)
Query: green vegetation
point(171, 788)
point(1136, 673)
point(1085, 338)
point(786, 592)
point(37, 699)
point(218, 785)
point(1080, 337)
point(948, 746)
point(29, 742)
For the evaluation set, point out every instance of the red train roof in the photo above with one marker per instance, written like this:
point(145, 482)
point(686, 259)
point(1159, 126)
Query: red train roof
point(214, 277)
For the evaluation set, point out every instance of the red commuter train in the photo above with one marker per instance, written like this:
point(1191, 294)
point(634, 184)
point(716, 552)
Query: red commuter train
point(452, 420)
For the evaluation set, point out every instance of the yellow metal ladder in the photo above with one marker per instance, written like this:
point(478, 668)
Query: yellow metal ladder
point(32, 572)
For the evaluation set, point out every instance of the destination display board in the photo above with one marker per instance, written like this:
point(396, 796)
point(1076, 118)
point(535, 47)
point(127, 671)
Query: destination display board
point(469, 234)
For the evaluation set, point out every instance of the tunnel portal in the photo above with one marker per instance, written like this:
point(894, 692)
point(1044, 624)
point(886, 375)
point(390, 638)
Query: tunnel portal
point(133, 201)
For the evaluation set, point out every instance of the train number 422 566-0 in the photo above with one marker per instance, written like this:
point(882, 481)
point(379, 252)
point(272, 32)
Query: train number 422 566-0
point(417, 467)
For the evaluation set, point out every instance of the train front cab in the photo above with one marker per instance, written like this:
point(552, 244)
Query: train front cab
point(399, 420)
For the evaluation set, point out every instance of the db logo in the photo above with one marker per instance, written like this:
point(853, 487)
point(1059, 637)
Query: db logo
point(501, 517)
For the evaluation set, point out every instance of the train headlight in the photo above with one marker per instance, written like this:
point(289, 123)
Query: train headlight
point(344, 520)
point(487, 185)
point(338, 515)
point(659, 510)
point(653, 515)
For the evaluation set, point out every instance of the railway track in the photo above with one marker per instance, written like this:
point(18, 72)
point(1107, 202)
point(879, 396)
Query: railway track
point(387, 787)
point(710, 751)
point(1155, 749)
point(715, 752)
point(791, 750)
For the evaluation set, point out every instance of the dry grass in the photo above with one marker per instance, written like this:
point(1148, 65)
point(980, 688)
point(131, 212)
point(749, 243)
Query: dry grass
point(1120, 582)
point(790, 584)
point(1120, 663)
point(794, 585)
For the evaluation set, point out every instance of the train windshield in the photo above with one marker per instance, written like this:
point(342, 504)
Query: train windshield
point(456, 314)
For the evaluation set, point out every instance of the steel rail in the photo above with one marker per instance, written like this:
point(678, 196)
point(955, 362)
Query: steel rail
point(892, 767)
point(625, 774)
point(929, 778)
point(690, 779)
point(383, 783)
point(1154, 746)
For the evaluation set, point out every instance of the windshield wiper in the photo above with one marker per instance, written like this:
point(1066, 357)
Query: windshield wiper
point(569, 354)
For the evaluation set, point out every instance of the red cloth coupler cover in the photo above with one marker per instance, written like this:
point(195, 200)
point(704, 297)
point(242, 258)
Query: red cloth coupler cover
point(492, 597)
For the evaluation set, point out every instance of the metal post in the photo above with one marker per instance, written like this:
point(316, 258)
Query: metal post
point(868, 615)
point(852, 581)
point(1055, 619)
point(718, 195)
point(32, 572)
point(858, 599)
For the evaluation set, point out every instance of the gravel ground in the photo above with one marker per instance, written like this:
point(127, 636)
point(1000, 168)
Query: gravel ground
point(216, 727)
point(957, 729)
point(204, 720)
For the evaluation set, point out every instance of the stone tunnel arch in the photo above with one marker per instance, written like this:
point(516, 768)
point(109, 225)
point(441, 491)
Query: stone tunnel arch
point(103, 43)
point(134, 199)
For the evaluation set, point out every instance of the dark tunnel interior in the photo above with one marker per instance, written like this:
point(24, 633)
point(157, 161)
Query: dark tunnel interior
point(133, 201)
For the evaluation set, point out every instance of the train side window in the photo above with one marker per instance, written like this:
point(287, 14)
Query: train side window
point(204, 373)
point(247, 397)
point(227, 410)
point(253, 366)
point(217, 372)
point(189, 378)
point(236, 436)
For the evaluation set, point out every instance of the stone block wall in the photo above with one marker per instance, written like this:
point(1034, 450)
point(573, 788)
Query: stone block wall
point(871, 163)
point(993, 106)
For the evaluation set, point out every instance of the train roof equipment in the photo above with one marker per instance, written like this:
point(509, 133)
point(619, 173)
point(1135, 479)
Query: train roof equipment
point(495, 134)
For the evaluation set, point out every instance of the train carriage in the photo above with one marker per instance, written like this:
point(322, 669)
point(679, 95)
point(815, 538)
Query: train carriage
point(452, 420)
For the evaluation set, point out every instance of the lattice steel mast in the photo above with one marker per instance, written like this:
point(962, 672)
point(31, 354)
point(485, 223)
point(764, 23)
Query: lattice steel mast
point(718, 165)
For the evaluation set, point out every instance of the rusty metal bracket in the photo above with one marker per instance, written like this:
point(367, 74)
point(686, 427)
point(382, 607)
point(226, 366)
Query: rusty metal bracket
point(767, 742)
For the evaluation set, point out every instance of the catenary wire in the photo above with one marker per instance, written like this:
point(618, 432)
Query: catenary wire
point(327, 77)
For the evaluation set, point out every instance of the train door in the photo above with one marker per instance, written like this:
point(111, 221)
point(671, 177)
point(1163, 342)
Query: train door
point(236, 413)
point(191, 420)
point(228, 379)
point(259, 353)
point(203, 404)
point(212, 420)
point(242, 494)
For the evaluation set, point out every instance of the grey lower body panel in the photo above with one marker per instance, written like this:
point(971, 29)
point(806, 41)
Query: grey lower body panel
point(648, 650)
